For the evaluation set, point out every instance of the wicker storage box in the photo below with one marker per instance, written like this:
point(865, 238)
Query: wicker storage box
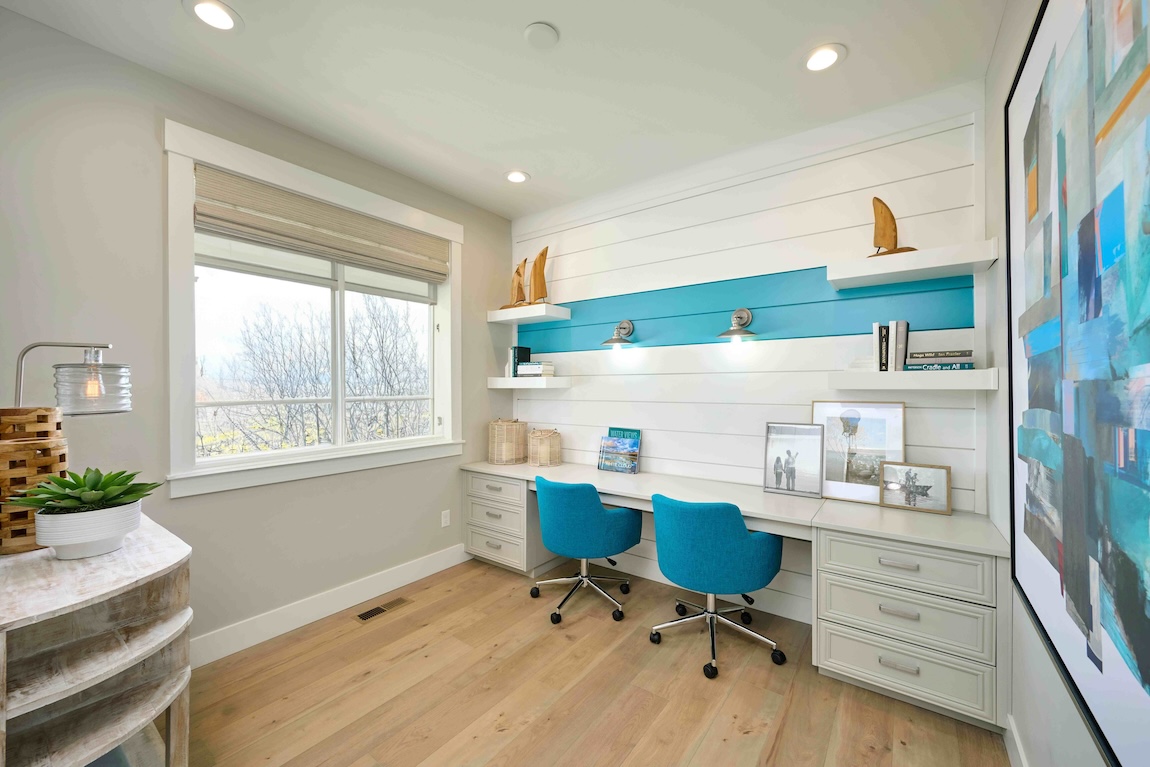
point(507, 442)
point(31, 423)
point(543, 448)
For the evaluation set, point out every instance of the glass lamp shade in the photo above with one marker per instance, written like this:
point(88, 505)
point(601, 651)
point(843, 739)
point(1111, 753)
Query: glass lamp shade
point(93, 388)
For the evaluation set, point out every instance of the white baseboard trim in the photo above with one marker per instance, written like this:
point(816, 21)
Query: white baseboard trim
point(260, 628)
point(1013, 745)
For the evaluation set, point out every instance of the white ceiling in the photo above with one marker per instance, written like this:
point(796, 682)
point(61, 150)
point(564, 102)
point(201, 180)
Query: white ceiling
point(448, 91)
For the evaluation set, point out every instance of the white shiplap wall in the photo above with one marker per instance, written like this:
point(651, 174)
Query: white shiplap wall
point(703, 408)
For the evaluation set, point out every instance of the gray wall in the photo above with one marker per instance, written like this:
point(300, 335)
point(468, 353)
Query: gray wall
point(1047, 724)
point(82, 258)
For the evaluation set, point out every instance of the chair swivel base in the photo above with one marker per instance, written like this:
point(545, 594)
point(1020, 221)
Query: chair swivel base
point(582, 580)
point(714, 617)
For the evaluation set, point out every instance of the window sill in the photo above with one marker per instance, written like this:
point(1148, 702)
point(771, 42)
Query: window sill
point(305, 464)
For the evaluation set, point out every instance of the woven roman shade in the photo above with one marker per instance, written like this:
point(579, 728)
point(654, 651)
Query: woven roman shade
point(233, 206)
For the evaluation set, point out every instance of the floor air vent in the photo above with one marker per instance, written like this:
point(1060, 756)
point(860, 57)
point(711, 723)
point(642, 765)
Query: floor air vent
point(383, 608)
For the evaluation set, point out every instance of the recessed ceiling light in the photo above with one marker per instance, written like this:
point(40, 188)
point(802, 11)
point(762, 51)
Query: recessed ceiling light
point(214, 14)
point(826, 56)
point(541, 35)
point(517, 177)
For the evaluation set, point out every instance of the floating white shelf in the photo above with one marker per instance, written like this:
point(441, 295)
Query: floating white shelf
point(526, 315)
point(935, 263)
point(906, 380)
point(530, 382)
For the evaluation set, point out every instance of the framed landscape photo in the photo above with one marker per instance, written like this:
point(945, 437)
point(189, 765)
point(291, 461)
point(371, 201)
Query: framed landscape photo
point(1078, 286)
point(794, 459)
point(857, 438)
point(915, 486)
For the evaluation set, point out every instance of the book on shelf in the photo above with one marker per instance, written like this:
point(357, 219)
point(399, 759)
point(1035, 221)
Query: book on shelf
point(939, 354)
point(896, 344)
point(940, 366)
point(533, 370)
point(880, 345)
point(516, 356)
point(619, 450)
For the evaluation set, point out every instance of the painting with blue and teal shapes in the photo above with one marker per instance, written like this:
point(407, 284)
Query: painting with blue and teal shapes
point(1079, 164)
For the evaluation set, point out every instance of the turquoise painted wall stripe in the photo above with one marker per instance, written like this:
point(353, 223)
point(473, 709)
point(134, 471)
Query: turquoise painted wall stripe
point(799, 304)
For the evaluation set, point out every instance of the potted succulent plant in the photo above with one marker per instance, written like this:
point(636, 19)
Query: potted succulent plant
point(83, 516)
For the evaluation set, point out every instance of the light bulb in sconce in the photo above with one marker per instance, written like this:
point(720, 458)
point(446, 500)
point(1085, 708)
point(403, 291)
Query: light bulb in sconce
point(93, 387)
point(738, 330)
point(621, 336)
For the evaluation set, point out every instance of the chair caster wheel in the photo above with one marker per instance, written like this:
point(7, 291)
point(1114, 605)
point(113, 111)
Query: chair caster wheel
point(617, 615)
point(681, 609)
point(656, 637)
point(779, 657)
point(625, 588)
point(710, 671)
point(534, 592)
point(556, 617)
point(745, 617)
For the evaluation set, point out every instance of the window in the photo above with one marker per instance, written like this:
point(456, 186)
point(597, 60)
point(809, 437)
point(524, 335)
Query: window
point(272, 326)
point(313, 326)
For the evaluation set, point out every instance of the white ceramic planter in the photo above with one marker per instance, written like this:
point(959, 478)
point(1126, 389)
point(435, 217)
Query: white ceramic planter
point(87, 533)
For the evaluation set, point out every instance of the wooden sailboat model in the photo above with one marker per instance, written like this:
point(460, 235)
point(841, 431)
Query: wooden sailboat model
point(885, 231)
point(538, 281)
point(518, 298)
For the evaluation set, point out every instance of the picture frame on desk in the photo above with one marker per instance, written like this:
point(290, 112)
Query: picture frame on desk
point(857, 438)
point(793, 462)
point(915, 487)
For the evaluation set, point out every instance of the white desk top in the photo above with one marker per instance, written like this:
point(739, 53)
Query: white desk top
point(961, 531)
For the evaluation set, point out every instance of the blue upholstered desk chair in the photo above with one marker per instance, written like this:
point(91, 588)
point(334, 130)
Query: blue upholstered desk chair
point(575, 524)
point(706, 547)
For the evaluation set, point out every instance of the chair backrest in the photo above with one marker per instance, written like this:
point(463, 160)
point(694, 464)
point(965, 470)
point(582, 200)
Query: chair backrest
point(694, 539)
point(570, 515)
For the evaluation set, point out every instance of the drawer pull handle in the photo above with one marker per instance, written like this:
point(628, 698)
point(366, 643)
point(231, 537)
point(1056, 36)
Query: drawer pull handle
point(900, 565)
point(493, 515)
point(897, 666)
point(493, 545)
point(494, 488)
point(901, 612)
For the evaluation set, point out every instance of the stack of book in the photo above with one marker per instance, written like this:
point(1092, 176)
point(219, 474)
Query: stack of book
point(515, 356)
point(890, 345)
point(944, 360)
point(535, 370)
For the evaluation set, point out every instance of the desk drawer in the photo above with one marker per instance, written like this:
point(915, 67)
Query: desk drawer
point(496, 546)
point(510, 491)
point(956, 574)
point(942, 624)
point(498, 517)
point(953, 683)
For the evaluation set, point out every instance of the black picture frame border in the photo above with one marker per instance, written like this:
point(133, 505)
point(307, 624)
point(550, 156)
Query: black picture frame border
point(1083, 707)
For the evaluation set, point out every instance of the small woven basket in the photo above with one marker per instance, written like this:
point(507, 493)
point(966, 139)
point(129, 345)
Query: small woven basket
point(543, 448)
point(507, 442)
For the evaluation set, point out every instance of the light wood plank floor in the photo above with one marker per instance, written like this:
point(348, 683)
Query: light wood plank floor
point(472, 672)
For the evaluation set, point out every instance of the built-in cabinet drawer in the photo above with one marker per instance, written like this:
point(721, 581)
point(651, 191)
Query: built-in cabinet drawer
point(497, 546)
point(499, 517)
point(944, 680)
point(936, 622)
point(510, 491)
point(957, 574)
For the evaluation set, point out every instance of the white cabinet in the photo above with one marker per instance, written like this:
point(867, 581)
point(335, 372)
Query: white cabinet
point(501, 524)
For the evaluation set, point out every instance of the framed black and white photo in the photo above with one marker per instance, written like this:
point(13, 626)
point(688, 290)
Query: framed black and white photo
point(915, 486)
point(857, 438)
point(794, 459)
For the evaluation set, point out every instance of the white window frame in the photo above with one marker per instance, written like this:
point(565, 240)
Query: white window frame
point(183, 148)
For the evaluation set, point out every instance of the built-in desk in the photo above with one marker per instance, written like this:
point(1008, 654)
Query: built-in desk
point(906, 603)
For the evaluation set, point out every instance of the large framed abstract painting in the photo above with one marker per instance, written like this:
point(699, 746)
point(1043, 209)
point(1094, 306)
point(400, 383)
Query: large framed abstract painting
point(1078, 189)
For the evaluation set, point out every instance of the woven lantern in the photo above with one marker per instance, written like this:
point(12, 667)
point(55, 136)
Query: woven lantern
point(31, 422)
point(543, 448)
point(507, 442)
point(25, 463)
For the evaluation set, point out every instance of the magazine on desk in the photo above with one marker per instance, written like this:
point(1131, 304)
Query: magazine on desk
point(619, 450)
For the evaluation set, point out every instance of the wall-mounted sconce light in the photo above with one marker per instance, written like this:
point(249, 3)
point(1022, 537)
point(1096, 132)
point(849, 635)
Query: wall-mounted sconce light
point(622, 335)
point(91, 387)
point(738, 330)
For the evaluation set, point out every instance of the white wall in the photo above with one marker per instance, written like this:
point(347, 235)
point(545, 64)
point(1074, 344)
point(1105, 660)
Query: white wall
point(795, 204)
point(82, 258)
point(1047, 729)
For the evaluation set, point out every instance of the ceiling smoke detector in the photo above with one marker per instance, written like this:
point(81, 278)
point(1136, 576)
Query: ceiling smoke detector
point(541, 36)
